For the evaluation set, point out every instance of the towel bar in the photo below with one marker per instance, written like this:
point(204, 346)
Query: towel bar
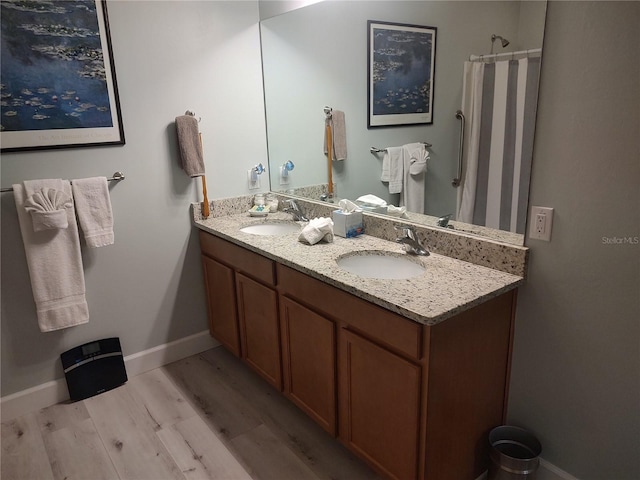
point(380, 150)
point(117, 176)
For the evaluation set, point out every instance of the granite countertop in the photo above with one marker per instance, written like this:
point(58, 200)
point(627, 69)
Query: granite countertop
point(447, 287)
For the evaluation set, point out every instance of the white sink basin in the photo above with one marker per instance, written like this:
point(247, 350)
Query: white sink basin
point(271, 228)
point(379, 264)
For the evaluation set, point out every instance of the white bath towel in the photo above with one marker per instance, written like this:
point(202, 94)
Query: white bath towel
point(93, 204)
point(396, 169)
point(54, 261)
point(414, 157)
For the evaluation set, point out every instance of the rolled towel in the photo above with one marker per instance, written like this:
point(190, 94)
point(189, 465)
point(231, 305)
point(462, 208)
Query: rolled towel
point(93, 206)
point(317, 229)
point(47, 207)
point(190, 147)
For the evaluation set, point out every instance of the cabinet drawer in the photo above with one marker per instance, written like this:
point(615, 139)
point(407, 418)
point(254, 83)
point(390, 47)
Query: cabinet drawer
point(241, 259)
point(381, 325)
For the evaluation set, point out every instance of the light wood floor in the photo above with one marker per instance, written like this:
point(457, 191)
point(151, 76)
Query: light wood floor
point(205, 417)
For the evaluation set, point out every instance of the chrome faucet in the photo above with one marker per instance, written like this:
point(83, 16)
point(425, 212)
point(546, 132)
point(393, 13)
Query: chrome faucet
point(444, 221)
point(410, 240)
point(294, 210)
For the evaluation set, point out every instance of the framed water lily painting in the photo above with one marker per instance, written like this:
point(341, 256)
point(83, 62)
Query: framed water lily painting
point(401, 67)
point(58, 82)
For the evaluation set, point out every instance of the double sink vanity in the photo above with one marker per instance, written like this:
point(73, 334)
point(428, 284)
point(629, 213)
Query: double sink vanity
point(404, 359)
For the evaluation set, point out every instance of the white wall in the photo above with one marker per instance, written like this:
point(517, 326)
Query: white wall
point(576, 372)
point(147, 288)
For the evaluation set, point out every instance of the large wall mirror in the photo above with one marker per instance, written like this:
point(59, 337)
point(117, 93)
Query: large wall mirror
point(316, 56)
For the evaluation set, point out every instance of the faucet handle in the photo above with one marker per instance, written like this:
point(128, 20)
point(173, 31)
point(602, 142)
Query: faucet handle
point(407, 230)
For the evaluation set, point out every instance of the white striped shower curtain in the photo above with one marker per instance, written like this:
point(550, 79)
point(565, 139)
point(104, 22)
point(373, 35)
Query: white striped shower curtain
point(499, 101)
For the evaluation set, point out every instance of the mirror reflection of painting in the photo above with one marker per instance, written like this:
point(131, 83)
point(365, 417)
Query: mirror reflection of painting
point(401, 74)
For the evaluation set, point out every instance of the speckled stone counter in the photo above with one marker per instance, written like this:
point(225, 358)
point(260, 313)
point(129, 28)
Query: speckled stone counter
point(447, 287)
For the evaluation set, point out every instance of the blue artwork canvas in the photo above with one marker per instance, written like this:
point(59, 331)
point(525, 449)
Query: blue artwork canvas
point(57, 81)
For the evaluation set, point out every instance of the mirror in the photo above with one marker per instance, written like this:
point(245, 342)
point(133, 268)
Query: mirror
point(316, 56)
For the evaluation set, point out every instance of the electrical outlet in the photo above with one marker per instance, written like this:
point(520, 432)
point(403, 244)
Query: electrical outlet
point(540, 223)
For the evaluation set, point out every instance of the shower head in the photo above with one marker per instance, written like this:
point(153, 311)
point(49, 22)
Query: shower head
point(503, 41)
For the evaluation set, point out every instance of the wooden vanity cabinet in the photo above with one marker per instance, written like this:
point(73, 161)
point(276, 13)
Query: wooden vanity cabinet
point(243, 305)
point(414, 401)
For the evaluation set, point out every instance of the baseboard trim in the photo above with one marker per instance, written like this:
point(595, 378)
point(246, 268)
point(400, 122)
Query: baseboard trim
point(55, 391)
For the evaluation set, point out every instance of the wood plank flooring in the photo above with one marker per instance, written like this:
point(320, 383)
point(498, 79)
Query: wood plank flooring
point(205, 417)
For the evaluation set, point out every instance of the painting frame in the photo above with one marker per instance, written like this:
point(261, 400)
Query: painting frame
point(410, 64)
point(99, 75)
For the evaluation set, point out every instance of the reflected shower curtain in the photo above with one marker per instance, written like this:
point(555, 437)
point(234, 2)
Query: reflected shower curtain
point(499, 102)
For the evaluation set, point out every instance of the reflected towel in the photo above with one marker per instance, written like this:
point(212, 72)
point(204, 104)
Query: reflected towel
point(94, 210)
point(415, 157)
point(396, 169)
point(54, 261)
point(338, 135)
point(189, 144)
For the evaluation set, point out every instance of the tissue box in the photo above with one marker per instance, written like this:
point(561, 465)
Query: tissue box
point(347, 224)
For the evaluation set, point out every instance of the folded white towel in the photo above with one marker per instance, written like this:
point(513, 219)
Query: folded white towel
point(48, 209)
point(54, 261)
point(418, 156)
point(415, 164)
point(385, 176)
point(318, 229)
point(396, 169)
point(370, 199)
point(92, 200)
point(397, 211)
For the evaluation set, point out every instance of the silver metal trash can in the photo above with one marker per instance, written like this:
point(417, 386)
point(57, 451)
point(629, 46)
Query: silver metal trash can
point(514, 454)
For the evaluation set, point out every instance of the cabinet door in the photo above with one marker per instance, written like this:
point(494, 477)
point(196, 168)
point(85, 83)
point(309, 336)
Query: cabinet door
point(259, 329)
point(221, 304)
point(379, 406)
point(309, 362)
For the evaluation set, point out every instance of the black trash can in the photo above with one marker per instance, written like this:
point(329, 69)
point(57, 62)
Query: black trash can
point(514, 454)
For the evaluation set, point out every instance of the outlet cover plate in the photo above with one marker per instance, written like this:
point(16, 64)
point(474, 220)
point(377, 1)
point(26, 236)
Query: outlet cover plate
point(540, 223)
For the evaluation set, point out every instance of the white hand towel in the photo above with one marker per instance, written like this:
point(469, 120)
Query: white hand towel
point(93, 203)
point(317, 229)
point(385, 176)
point(396, 169)
point(413, 194)
point(48, 209)
point(54, 261)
